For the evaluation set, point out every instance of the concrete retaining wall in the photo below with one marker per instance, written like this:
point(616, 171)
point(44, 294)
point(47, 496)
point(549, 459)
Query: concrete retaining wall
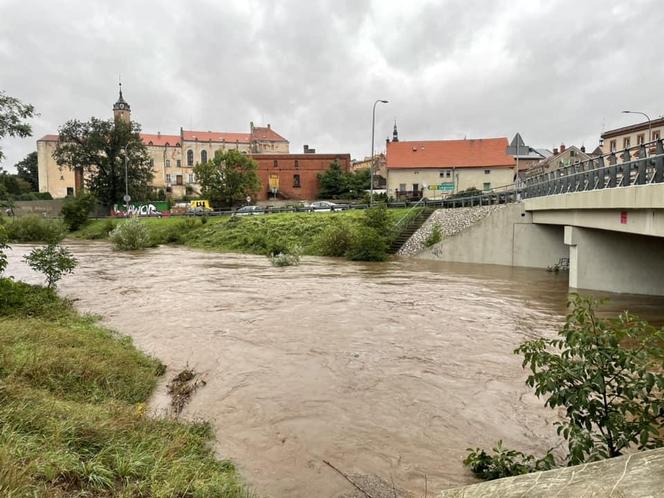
point(505, 237)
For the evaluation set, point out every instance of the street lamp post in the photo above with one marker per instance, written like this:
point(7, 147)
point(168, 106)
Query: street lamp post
point(126, 196)
point(649, 122)
point(373, 159)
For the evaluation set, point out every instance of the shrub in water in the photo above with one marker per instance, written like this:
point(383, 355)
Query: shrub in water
point(334, 240)
point(288, 258)
point(367, 245)
point(77, 209)
point(34, 228)
point(3, 246)
point(53, 261)
point(434, 237)
point(505, 463)
point(131, 235)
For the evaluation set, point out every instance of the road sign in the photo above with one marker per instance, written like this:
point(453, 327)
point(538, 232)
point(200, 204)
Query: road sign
point(126, 198)
point(446, 187)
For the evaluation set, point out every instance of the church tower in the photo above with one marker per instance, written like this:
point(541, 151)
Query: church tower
point(121, 110)
point(395, 133)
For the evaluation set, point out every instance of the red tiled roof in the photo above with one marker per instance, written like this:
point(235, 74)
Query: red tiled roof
point(171, 140)
point(474, 153)
point(49, 138)
point(215, 136)
point(261, 133)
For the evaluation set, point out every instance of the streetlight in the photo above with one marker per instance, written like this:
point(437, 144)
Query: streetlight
point(371, 168)
point(649, 122)
point(126, 197)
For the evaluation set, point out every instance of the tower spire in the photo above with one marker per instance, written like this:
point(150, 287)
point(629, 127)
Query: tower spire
point(395, 133)
point(121, 109)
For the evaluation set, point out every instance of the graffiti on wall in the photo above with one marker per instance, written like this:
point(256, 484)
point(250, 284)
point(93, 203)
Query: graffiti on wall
point(156, 208)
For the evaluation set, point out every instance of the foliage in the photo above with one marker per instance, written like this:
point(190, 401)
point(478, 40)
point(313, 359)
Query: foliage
point(335, 240)
point(290, 257)
point(434, 237)
point(130, 235)
point(13, 116)
point(505, 462)
point(76, 210)
point(335, 183)
point(12, 186)
point(27, 170)
point(608, 375)
point(33, 228)
point(21, 300)
point(99, 147)
point(378, 219)
point(228, 179)
point(73, 409)
point(53, 261)
point(471, 191)
point(3, 248)
point(367, 245)
point(34, 196)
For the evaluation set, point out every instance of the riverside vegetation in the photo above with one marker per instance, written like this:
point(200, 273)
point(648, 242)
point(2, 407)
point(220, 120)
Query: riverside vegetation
point(73, 417)
point(608, 375)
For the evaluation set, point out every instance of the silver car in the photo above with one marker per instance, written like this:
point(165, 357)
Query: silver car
point(249, 211)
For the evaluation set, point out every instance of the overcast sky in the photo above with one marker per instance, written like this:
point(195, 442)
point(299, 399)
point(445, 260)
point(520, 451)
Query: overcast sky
point(557, 71)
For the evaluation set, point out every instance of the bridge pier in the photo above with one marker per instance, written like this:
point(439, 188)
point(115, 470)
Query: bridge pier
point(615, 262)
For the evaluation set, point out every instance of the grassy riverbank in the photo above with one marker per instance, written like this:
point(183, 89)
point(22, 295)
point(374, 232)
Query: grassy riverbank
point(72, 412)
point(249, 234)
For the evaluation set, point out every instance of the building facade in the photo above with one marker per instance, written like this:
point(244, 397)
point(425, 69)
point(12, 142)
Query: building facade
point(173, 156)
point(561, 158)
point(437, 168)
point(631, 136)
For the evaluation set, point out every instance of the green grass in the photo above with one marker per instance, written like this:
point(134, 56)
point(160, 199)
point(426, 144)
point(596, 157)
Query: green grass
point(248, 234)
point(72, 412)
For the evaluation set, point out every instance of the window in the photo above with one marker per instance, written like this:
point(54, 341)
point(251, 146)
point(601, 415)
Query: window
point(416, 187)
point(275, 163)
point(626, 143)
point(178, 163)
point(402, 187)
point(296, 181)
point(446, 173)
point(612, 146)
point(70, 191)
point(640, 138)
point(203, 156)
point(178, 180)
point(190, 157)
point(191, 178)
point(572, 153)
point(297, 165)
point(168, 178)
point(168, 163)
point(487, 186)
point(655, 135)
point(487, 171)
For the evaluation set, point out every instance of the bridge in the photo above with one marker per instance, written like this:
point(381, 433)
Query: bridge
point(606, 215)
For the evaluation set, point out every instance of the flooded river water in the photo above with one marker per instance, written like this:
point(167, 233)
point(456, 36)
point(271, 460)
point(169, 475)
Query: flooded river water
point(390, 369)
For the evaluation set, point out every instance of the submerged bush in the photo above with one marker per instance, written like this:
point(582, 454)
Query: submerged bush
point(434, 237)
point(131, 235)
point(53, 261)
point(287, 258)
point(334, 240)
point(367, 245)
point(505, 463)
point(33, 228)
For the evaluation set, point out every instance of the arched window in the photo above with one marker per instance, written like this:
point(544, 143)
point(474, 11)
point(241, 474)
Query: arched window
point(203, 156)
point(190, 157)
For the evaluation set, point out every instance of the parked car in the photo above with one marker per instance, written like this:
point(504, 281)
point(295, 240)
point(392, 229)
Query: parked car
point(199, 211)
point(327, 206)
point(249, 211)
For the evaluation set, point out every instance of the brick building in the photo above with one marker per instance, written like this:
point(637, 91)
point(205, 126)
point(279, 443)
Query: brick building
point(294, 176)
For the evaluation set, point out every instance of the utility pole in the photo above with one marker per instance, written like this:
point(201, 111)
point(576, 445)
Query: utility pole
point(373, 159)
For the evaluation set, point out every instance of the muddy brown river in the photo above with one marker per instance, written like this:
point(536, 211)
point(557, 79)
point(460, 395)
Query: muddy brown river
point(389, 369)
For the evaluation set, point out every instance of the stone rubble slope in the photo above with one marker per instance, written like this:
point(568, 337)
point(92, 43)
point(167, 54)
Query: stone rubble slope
point(450, 221)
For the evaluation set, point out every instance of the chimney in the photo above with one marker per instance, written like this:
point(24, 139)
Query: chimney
point(555, 151)
point(158, 134)
point(268, 126)
point(251, 126)
point(583, 148)
point(562, 148)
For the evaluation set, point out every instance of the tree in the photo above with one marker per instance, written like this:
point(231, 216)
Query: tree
point(76, 210)
point(99, 147)
point(13, 115)
point(27, 170)
point(608, 375)
point(53, 261)
point(333, 182)
point(228, 178)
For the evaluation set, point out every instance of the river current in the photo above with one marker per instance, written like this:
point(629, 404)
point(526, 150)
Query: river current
point(389, 369)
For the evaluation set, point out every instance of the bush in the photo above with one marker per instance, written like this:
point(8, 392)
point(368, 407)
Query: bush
point(3, 247)
point(34, 228)
point(378, 219)
point(334, 240)
point(367, 245)
point(434, 237)
point(608, 375)
point(76, 210)
point(287, 258)
point(18, 299)
point(132, 235)
point(505, 463)
point(53, 261)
